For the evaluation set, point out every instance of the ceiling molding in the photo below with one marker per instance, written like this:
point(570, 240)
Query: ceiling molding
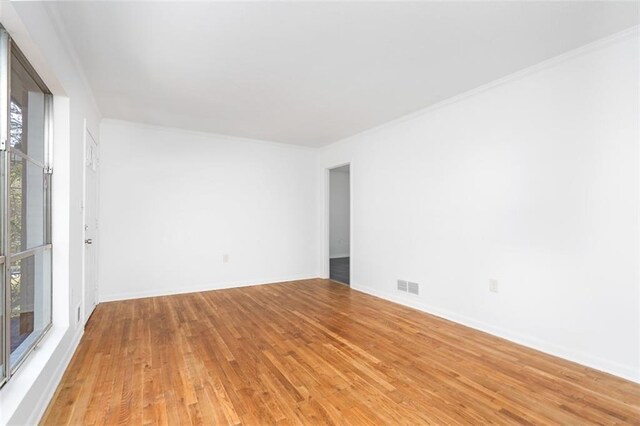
point(549, 63)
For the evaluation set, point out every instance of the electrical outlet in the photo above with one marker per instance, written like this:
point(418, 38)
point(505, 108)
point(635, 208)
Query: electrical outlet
point(493, 285)
point(225, 258)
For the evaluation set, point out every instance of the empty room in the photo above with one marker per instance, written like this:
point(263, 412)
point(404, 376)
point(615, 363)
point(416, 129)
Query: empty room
point(319, 212)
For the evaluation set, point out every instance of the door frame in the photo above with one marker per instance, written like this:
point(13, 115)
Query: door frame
point(326, 225)
point(83, 314)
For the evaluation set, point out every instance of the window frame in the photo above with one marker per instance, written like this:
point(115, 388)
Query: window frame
point(9, 52)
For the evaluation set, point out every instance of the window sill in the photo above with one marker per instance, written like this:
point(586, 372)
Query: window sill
point(25, 397)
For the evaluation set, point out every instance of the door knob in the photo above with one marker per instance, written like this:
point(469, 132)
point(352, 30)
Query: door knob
point(88, 241)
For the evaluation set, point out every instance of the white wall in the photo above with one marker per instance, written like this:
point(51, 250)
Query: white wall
point(339, 214)
point(174, 202)
point(25, 397)
point(532, 181)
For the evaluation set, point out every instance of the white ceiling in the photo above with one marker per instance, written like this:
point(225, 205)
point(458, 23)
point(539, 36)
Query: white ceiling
point(312, 73)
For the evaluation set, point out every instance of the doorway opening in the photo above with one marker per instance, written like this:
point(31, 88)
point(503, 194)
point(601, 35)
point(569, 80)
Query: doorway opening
point(339, 224)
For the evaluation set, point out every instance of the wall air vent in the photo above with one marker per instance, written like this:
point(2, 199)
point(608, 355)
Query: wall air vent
point(402, 285)
point(414, 288)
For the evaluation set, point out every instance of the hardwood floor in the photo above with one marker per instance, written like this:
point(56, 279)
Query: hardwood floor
point(317, 352)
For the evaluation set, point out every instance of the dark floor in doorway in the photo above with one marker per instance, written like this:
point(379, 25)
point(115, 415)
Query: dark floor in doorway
point(339, 269)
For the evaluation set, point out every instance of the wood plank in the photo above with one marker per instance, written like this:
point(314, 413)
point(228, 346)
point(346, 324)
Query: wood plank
point(312, 352)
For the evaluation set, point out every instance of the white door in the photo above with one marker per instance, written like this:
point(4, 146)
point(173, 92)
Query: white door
point(90, 226)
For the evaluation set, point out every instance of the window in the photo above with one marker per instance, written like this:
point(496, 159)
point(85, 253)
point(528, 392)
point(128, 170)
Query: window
point(25, 210)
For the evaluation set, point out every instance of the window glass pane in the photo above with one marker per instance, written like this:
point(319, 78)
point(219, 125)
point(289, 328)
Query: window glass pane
point(27, 113)
point(30, 301)
point(25, 268)
point(26, 204)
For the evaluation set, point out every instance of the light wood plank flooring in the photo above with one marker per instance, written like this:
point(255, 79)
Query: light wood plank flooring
point(316, 352)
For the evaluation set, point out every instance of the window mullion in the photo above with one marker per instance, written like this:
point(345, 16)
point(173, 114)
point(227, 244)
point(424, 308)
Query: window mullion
point(5, 85)
point(5, 75)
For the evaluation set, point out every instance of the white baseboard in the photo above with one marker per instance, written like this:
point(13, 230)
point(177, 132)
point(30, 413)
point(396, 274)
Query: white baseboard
point(195, 289)
point(50, 389)
point(620, 370)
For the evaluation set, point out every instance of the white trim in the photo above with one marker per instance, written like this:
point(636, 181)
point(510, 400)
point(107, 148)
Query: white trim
point(84, 317)
point(83, 256)
point(325, 251)
point(533, 69)
point(25, 383)
point(620, 370)
point(326, 230)
point(85, 130)
point(199, 288)
point(49, 390)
